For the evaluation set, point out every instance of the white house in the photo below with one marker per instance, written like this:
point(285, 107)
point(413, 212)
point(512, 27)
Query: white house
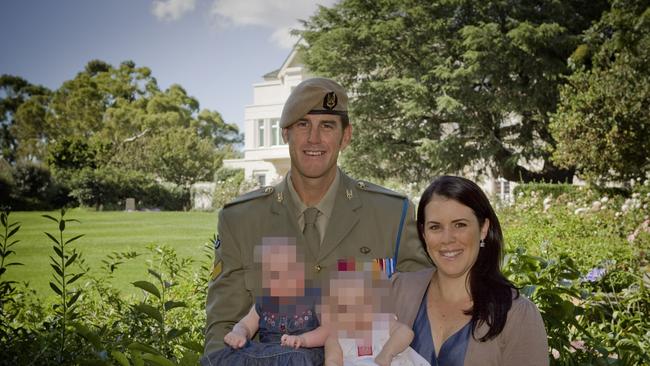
point(266, 157)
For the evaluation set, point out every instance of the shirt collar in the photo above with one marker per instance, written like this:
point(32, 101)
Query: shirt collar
point(326, 204)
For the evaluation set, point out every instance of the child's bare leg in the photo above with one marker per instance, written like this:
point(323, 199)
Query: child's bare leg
point(333, 352)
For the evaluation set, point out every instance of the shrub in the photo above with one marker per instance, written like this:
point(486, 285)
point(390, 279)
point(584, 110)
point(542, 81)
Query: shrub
point(35, 189)
point(6, 187)
point(582, 260)
point(545, 189)
point(7, 183)
point(165, 196)
point(230, 183)
point(108, 188)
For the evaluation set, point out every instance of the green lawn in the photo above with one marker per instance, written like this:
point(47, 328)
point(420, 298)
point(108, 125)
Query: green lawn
point(107, 232)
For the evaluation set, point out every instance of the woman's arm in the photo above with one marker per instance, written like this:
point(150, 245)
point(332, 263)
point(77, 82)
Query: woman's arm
point(243, 330)
point(525, 336)
point(400, 338)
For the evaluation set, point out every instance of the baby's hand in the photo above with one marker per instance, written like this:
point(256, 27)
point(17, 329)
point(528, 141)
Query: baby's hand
point(292, 341)
point(235, 340)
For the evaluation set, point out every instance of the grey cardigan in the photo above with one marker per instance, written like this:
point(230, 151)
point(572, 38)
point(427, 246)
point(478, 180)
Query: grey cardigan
point(522, 341)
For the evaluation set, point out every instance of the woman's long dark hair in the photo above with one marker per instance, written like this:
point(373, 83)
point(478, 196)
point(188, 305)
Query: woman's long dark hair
point(491, 292)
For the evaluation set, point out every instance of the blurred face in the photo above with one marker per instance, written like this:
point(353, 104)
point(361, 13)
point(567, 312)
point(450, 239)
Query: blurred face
point(350, 308)
point(348, 292)
point(314, 145)
point(452, 235)
point(283, 275)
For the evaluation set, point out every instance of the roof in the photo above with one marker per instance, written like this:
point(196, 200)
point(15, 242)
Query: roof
point(291, 59)
point(271, 75)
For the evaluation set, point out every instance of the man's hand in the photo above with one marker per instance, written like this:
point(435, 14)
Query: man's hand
point(235, 340)
point(292, 341)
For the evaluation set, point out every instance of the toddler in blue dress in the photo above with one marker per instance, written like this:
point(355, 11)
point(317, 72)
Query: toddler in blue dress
point(285, 317)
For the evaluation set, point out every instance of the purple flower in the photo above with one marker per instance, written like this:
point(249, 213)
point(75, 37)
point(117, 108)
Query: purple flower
point(594, 275)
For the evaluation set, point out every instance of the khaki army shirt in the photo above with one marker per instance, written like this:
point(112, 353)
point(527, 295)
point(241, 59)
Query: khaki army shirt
point(363, 223)
point(325, 206)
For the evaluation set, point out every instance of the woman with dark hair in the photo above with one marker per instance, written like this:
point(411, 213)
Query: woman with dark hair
point(464, 311)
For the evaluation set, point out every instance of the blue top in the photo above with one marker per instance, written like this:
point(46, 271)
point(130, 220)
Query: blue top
point(288, 315)
point(452, 352)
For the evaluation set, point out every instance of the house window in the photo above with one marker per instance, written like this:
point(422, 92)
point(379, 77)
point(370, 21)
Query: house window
point(504, 189)
point(260, 132)
point(276, 138)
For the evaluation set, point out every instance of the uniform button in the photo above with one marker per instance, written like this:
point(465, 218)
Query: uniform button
point(361, 185)
point(318, 267)
point(268, 189)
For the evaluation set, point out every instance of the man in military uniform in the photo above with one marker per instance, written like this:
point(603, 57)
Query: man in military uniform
point(331, 215)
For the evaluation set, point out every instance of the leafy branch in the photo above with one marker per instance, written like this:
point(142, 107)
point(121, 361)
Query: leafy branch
point(62, 261)
point(10, 229)
point(157, 304)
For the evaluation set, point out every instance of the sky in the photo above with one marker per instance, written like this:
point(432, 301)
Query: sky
point(215, 49)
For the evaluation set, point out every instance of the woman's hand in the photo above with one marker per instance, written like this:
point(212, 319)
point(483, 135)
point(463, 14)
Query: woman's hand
point(235, 340)
point(292, 341)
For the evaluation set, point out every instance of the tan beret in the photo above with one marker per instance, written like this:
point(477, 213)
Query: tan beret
point(314, 96)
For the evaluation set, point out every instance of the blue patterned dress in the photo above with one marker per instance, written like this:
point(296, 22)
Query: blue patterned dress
point(276, 319)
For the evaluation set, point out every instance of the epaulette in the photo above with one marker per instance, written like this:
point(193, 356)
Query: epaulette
point(257, 193)
point(370, 187)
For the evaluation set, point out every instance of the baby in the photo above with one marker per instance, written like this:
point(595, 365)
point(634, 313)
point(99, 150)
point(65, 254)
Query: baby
point(363, 330)
point(285, 315)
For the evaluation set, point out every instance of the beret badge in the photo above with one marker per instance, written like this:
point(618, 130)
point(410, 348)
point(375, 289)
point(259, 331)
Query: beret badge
point(330, 101)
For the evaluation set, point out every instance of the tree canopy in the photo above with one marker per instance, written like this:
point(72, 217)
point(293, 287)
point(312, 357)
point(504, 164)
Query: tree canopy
point(108, 121)
point(440, 86)
point(603, 120)
point(14, 93)
point(115, 116)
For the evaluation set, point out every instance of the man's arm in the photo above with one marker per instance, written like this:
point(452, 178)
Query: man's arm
point(412, 256)
point(228, 300)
